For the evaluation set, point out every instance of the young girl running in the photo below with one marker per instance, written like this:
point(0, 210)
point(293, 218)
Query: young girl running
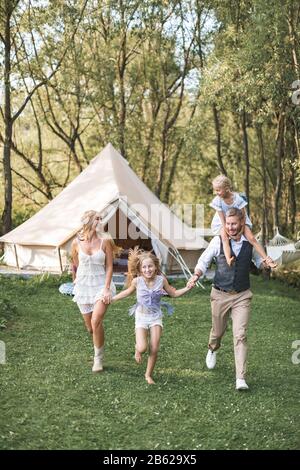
point(145, 277)
point(226, 199)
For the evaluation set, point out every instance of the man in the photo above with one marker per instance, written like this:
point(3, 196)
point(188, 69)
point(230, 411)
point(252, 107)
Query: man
point(230, 292)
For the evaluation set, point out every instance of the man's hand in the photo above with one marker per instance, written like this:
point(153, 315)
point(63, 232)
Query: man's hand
point(192, 281)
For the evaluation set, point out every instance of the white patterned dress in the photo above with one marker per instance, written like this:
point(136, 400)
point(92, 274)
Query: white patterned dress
point(220, 206)
point(90, 280)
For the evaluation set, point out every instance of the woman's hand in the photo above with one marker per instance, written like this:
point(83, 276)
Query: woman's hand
point(106, 296)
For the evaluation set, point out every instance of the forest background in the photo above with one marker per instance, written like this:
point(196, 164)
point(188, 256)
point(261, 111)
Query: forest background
point(183, 89)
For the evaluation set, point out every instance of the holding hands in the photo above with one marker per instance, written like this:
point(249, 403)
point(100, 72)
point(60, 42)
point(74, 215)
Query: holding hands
point(192, 281)
point(106, 296)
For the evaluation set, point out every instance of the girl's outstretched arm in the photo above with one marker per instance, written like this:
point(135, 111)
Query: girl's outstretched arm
point(175, 292)
point(125, 293)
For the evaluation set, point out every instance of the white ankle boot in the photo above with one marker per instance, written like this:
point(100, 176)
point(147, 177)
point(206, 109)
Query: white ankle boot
point(98, 359)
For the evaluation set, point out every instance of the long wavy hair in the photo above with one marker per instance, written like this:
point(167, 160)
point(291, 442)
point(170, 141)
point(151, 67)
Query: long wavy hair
point(136, 257)
point(92, 223)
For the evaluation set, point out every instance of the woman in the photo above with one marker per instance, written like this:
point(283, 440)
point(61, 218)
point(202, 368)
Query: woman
point(92, 259)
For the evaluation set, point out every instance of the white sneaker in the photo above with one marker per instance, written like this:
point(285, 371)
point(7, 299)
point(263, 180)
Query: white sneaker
point(97, 366)
point(211, 359)
point(241, 384)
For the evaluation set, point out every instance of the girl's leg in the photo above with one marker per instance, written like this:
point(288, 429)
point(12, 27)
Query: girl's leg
point(141, 335)
point(98, 334)
point(260, 250)
point(155, 333)
point(226, 247)
point(87, 318)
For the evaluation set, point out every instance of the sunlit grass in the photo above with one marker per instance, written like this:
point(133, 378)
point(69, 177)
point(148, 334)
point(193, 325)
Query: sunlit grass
point(51, 400)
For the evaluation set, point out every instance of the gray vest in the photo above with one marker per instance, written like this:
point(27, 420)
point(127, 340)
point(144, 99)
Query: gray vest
point(234, 277)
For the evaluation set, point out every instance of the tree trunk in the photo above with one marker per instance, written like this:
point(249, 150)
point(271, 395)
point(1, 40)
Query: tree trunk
point(163, 159)
point(8, 122)
point(150, 142)
point(292, 178)
point(279, 159)
point(122, 116)
point(293, 28)
point(176, 156)
point(264, 219)
point(246, 157)
point(121, 70)
point(218, 141)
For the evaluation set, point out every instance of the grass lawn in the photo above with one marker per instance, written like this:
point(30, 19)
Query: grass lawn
point(51, 400)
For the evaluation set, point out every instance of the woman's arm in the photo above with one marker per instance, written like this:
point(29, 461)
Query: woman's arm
point(125, 293)
point(175, 292)
point(107, 248)
point(74, 258)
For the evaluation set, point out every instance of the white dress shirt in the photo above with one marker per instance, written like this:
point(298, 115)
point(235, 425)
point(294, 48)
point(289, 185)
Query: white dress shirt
point(214, 249)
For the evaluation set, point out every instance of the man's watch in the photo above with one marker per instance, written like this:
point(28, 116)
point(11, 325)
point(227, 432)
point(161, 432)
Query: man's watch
point(197, 274)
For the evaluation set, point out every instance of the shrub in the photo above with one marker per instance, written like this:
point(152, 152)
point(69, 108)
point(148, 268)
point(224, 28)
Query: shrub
point(7, 311)
point(288, 276)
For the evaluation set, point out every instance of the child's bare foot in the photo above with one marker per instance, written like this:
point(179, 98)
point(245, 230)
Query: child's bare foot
point(269, 262)
point(138, 357)
point(149, 380)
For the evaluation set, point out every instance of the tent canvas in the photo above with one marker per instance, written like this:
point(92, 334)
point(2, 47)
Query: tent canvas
point(110, 186)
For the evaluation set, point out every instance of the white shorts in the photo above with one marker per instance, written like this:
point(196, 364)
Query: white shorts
point(146, 321)
point(86, 308)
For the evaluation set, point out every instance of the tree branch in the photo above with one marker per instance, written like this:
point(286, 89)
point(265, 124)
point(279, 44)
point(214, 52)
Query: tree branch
point(43, 82)
point(37, 188)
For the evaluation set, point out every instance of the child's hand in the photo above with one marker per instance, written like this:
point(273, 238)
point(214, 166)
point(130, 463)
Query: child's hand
point(189, 285)
point(106, 296)
point(192, 282)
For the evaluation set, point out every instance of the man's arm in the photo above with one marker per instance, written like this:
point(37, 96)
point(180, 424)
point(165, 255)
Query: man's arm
point(205, 259)
point(257, 260)
point(207, 256)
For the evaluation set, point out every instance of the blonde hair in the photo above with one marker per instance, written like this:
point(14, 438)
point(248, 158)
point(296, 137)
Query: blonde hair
point(235, 212)
point(222, 181)
point(88, 229)
point(135, 261)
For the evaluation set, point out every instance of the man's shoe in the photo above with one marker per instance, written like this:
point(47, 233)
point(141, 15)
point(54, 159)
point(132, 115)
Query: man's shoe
point(97, 366)
point(211, 359)
point(241, 384)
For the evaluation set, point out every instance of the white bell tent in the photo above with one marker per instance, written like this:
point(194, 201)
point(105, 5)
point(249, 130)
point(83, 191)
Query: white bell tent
point(110, 186)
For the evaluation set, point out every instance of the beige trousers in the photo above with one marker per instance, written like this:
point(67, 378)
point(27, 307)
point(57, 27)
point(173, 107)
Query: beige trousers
point(222, 304)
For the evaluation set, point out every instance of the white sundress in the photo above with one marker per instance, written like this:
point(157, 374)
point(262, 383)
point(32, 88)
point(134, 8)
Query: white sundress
point(90, 280)
point(219, 205)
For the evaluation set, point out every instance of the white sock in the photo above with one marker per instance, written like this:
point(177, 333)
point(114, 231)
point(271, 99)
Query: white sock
point(98, 351)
